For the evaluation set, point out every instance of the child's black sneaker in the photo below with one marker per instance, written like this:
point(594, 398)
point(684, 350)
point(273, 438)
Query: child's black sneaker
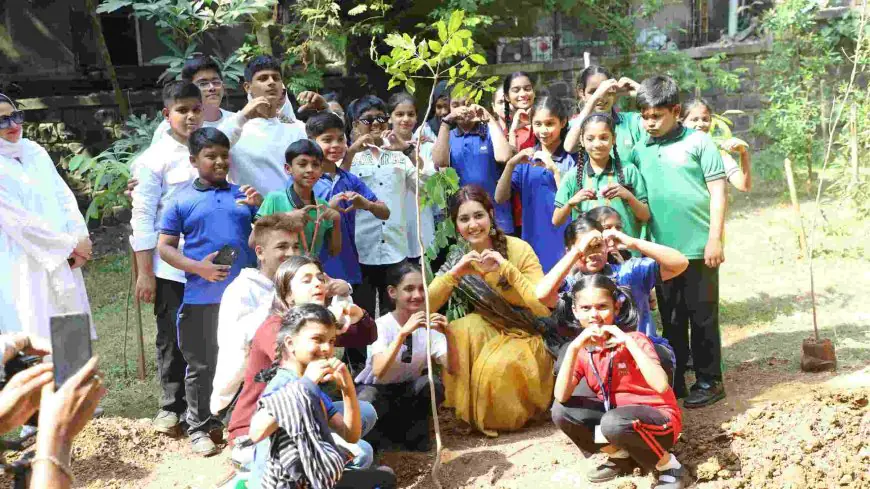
point(671, 479)
point(611, 469)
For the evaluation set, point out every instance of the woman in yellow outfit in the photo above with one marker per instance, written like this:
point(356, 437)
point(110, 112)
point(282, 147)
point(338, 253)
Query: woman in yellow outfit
point(505, 374)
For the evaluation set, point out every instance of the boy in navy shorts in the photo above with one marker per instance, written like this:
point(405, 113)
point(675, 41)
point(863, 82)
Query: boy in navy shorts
point(215, 219)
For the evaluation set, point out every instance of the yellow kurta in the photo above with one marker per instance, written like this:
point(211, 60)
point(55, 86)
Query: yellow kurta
point(505, 376)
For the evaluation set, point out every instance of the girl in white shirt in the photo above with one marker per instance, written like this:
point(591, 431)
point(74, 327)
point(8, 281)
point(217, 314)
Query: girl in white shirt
point(395, 377)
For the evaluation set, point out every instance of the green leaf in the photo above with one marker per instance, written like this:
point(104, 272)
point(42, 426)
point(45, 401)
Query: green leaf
point(463, 34)
point(442, 31)
point(358, 9)
point(455, 21)
point(411, 86)
point(435, 46)
point(76, 161)
point(109, 6)
point(478, 59)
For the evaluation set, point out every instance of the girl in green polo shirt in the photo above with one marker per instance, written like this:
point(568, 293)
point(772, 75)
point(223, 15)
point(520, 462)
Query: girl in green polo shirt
point(600, 179)
point(598, 90)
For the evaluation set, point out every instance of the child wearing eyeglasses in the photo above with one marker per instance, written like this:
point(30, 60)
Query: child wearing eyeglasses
point(382, 244)
point(205, 73)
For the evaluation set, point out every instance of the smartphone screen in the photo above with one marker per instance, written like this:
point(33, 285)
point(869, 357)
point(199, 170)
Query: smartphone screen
point(70, 345)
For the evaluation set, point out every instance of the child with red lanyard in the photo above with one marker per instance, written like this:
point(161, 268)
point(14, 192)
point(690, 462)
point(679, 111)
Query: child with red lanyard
point(518, 97)
point(612, 395)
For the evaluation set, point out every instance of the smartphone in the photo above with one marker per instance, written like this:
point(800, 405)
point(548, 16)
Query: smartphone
point(226, 256)
point(70, 345)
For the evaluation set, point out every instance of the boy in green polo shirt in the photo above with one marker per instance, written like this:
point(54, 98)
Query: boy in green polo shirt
point(304, 160)
point(685, 183)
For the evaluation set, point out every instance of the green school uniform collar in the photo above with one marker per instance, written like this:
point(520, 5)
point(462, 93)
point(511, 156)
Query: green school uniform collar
point(203, 186)
point(676, 133)
point(608, 170)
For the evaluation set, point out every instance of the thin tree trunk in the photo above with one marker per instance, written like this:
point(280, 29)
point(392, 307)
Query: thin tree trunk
point(120, 99)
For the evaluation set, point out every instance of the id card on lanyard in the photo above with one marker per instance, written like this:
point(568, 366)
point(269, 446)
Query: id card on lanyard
point(607, 384)
point(590, 183)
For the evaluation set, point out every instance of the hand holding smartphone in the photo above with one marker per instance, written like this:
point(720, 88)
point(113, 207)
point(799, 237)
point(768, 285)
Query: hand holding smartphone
point(70, 345)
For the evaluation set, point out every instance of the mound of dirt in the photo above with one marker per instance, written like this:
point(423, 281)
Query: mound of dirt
point(822, 441)
point(112, 452)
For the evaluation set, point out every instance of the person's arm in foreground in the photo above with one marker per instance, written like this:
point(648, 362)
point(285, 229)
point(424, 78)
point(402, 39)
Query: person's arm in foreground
point(62, 415)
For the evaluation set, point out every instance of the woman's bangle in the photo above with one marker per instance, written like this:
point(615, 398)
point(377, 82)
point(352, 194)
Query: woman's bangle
point(57, 463)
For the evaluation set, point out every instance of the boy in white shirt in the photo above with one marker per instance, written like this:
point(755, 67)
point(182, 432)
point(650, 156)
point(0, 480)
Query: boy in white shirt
point(258, 156)
point(246, 301)
point(162, 170)
point(159, 173)
point(205, 73)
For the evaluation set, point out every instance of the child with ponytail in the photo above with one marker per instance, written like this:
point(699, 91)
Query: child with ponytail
point(534, 173)
point(598, 91)
point(612, 394)
point(304, 348)
point(601, 178)
point(299, 280)
point(698, 115)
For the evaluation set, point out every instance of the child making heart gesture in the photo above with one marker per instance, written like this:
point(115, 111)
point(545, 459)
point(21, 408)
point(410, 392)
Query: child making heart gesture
point(602, 179)
point(612, 395)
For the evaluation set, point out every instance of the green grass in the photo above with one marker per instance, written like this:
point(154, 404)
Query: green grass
point(764, 296)
point(108, 283)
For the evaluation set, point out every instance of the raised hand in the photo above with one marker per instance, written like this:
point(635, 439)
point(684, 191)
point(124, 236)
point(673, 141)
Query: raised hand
point(311, 100)
point(392, 141)
point(490, 261)
point(252, 197)
point(319, 371)
point(468, 264)
point(417, 320)
point(479, 114)
point(615, 190)
point(521, 118)
point(438, 322)
point(257, 107)
point(582, 195)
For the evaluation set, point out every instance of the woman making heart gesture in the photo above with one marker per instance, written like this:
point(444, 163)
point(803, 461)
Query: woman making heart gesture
point(503, 375)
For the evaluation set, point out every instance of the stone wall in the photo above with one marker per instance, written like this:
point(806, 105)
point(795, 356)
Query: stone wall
point(560, 77)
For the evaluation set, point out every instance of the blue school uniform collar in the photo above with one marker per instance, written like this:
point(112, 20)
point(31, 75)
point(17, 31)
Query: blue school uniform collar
point(675, 134)
point(202, 186)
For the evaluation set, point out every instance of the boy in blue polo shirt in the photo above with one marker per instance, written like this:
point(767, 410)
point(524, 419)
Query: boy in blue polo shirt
point(471, 141)
point(685, 181)
point(214, 217)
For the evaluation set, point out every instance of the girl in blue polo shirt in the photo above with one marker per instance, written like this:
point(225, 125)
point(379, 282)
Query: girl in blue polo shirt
point(535, 173)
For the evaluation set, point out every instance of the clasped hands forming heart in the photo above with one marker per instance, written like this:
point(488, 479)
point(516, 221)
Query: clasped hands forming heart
point(356, 200)
point(479, 263)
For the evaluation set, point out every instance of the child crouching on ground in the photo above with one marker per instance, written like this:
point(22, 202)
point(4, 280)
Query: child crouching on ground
point(612, 395)
point(300, 447)
point(394, 379)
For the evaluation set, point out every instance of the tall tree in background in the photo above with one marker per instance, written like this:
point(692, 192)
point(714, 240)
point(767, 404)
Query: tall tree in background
point(120, 99)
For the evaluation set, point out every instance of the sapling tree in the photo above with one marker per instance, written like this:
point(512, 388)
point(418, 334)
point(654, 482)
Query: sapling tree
point(452, 56)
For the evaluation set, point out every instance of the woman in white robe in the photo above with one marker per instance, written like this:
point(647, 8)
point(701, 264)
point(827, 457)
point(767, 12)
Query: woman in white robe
point(43, 236)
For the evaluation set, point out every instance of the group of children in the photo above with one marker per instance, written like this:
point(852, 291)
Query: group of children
point(265, 242)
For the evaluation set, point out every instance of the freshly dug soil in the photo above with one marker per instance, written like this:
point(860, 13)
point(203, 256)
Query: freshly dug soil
point(817, 439)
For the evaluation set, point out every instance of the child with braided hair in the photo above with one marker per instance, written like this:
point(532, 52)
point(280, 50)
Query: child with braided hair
point(534, 173)
point(304, 353)
point(300, 280)
point(602, 179)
